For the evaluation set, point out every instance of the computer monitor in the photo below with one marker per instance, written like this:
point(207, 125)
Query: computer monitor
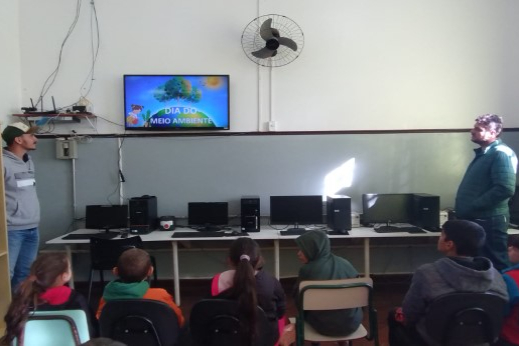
point(513, 205)
point(386, 208)
point(207, 214)
point(296, 210)
point(106, 216)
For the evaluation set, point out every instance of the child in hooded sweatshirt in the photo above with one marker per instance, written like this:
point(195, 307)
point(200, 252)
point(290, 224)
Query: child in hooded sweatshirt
point(319, 263)
point(133, 268)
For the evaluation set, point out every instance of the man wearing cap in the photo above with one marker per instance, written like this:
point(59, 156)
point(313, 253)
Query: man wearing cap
point(22, 205)
point(460, 271)
point(487, 185)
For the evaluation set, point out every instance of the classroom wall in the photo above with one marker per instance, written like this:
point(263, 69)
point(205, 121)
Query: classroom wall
point(407, 64)
point(9, 61)
point(365, 65)
point(179, 170)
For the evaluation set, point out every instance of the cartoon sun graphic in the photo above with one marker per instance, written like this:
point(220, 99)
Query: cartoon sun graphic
point(213, 82)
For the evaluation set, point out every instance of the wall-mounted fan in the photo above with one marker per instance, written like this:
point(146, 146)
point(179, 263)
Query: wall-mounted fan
point(272, 40)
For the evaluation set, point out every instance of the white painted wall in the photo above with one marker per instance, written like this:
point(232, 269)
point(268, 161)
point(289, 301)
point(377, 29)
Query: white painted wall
point(403, 64)
point(9, 61)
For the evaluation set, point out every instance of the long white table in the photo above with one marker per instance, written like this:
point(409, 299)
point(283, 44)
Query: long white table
point(266, 233)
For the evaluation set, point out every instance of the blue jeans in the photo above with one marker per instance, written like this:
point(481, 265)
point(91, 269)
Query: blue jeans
point(496, 243)
point(23, 248)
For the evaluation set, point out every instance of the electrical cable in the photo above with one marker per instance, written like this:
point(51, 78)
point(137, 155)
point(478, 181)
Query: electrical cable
point(94, 50)
point(52, 77)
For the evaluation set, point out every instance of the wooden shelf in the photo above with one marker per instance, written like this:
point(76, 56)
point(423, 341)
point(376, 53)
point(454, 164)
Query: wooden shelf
point(59, 116)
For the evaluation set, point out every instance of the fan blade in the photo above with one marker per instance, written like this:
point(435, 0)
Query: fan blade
point(287, 42)
point(264, 53)
point(265, 30)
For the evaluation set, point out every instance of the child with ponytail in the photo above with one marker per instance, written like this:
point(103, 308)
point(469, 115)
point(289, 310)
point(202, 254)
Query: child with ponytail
point(44, 289)
point(251, 286)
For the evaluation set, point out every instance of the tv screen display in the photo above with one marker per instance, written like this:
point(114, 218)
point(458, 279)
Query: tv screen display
point(207, 213)
point(386, 208)
point(290, 210)
point(106, 216)
point(176, 102)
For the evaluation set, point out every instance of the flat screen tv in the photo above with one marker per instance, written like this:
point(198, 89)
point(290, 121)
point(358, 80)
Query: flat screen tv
point(176, 102)
point(296, 210)
point(386, 208)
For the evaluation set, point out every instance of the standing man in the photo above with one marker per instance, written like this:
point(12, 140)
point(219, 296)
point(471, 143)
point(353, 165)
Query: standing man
point(488, 184)
point(22, 205)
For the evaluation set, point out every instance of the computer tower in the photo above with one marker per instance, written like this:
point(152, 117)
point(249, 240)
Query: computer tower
point(425, 211)
point(250, 214)
point(338, 212)
point(143, 214)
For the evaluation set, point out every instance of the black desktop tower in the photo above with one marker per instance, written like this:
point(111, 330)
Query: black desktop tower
point(425, 211)
point(338, 212)
point(250, 214)
point(143, 214)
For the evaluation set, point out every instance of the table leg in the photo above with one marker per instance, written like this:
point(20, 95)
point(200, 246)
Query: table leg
point(69, 256)
point(276, 258)
point(366, 257)
point(176, 279)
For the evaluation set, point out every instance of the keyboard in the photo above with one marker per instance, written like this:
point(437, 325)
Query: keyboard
point(82, 236)
point(198, 234)
point(297, 231)
point(396, 229)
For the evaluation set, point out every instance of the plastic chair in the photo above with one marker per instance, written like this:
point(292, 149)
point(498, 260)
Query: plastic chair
point(215, 322)
point(138, 322)
point(51, 328)
point(335, 295)
point(465, 318)
point(104, 254)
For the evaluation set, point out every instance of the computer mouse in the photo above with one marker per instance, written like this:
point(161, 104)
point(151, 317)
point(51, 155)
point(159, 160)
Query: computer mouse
point(236, 233)
point(343, 231)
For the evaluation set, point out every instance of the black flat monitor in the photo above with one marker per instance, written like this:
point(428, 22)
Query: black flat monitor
point(296, 210)
point(106, 216)
point(386, 208)
point(207, 214)
point(513, 205)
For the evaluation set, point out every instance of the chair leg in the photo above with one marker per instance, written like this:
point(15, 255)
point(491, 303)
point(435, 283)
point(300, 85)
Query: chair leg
point(91, 278)
point(155, 275)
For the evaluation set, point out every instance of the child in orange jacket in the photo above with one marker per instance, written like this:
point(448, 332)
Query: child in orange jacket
point(133, 268)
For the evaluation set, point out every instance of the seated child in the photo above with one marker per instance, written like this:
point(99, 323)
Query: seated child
point(45, 289)
point(510, 331)
point(319, 263)
point(133, 268)
point(461, 270)
point(251, 285)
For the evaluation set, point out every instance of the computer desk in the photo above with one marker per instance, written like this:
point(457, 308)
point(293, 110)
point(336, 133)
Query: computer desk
point(266, 233)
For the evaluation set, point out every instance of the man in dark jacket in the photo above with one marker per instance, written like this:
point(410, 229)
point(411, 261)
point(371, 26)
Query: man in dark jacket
point(488, 184)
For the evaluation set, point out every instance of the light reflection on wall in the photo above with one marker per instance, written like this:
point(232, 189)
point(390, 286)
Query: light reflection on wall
point(340, 178)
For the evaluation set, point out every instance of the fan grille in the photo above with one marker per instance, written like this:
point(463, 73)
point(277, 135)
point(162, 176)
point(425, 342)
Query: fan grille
point(251, 40)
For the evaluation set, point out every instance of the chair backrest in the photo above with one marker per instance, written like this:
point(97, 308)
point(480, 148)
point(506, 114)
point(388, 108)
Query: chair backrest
point(139, 322)
point(215, 322)
point(465, 318)
point(104, 253)
point(335, 294)
point(51, 328)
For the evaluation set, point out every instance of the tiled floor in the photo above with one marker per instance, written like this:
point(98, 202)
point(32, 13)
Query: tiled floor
point(389, 292)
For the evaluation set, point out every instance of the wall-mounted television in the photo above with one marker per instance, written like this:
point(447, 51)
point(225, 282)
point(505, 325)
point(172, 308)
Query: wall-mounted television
point(176, 102)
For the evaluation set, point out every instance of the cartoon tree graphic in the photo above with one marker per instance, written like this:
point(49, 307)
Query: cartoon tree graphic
point(178, 88)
